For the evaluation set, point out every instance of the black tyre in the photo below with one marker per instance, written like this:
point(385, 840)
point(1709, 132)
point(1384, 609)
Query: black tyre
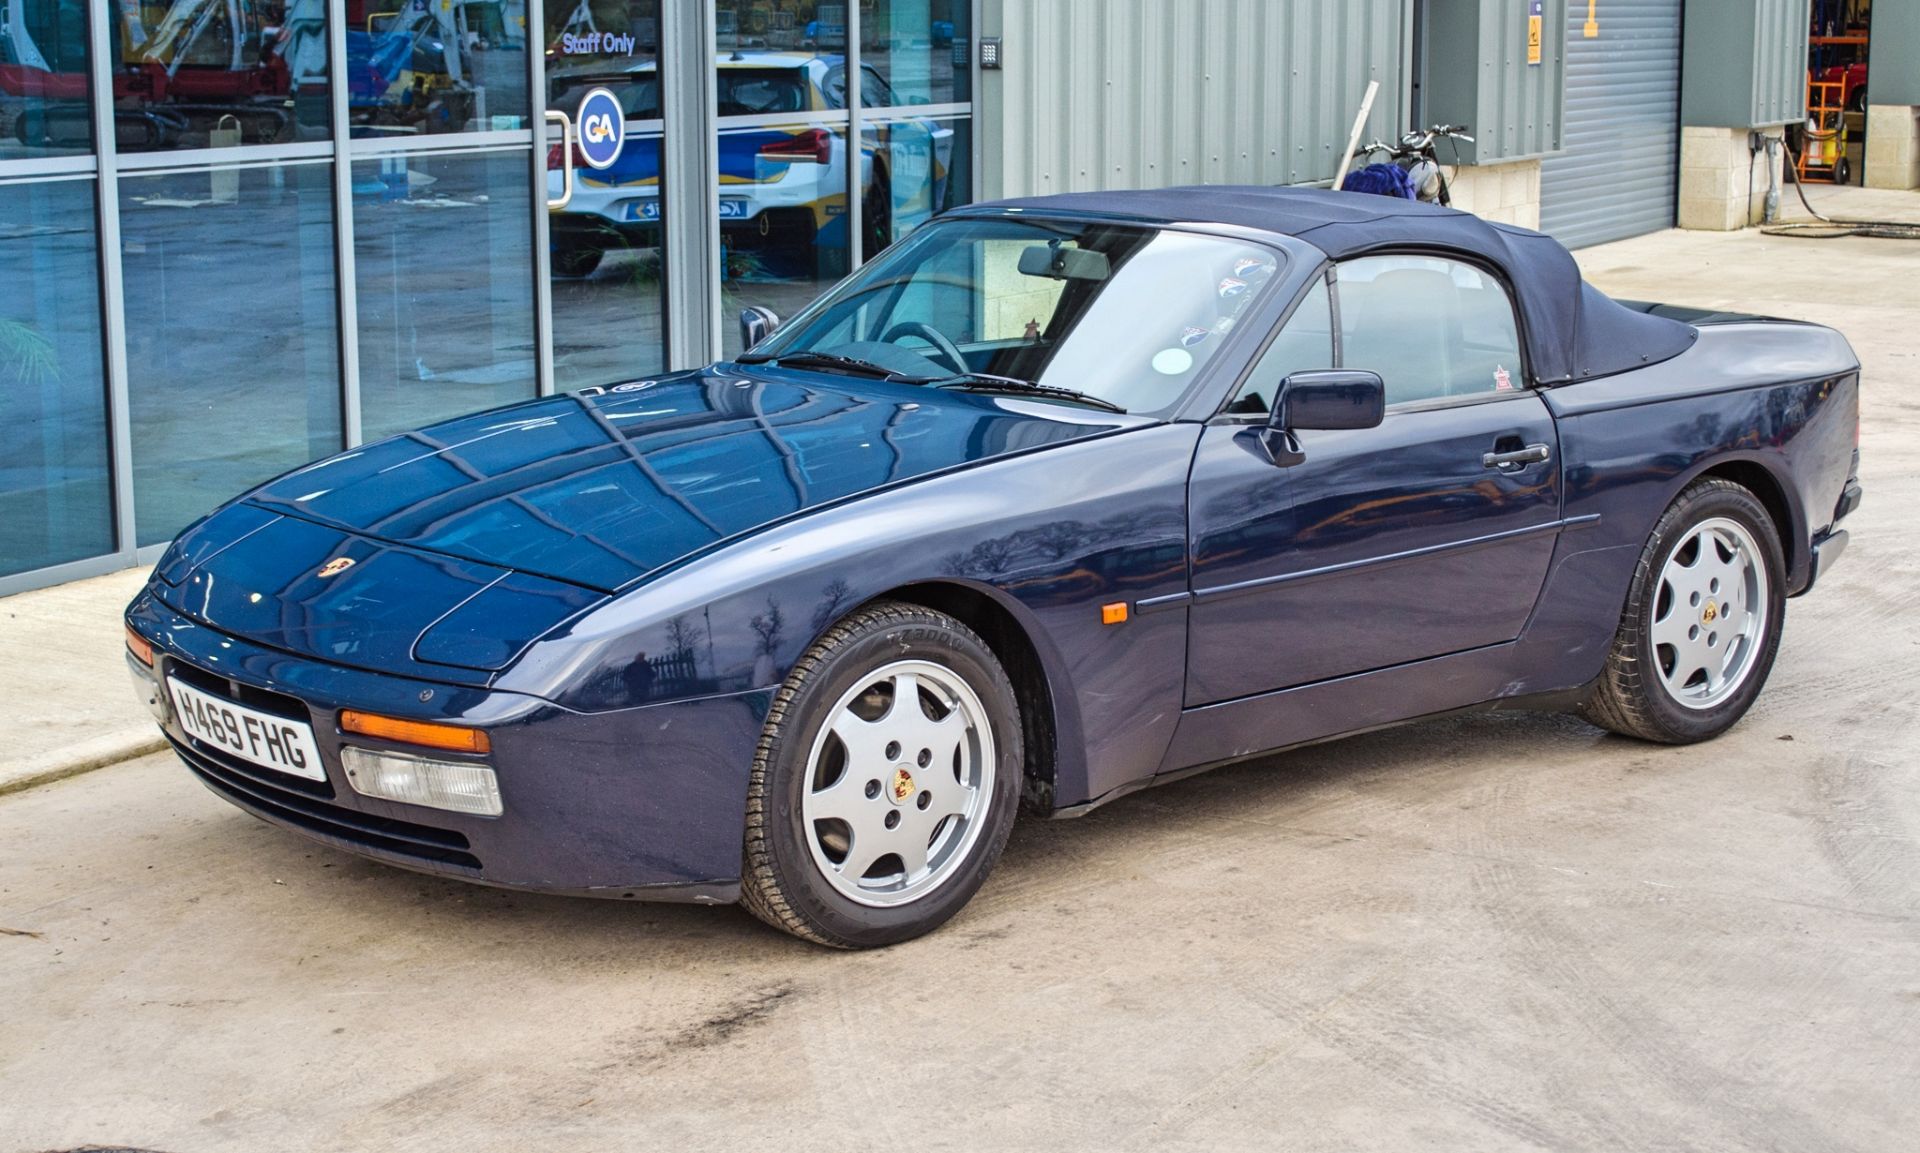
point(1702, 622)
point(876, 215)
point(577, 260)
point(885, 783)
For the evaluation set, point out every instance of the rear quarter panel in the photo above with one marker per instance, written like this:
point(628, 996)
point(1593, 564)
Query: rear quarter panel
point(1778, 396)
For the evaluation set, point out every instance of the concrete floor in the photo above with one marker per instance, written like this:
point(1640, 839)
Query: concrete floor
point(1487, 933)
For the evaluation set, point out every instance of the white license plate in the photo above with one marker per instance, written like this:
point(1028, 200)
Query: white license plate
point(264, 739)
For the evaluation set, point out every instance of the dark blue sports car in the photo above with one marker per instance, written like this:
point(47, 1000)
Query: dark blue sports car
point(1056, 499)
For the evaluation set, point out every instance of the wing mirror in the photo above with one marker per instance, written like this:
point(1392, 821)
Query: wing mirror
point(1335, 398)
point(756, 324)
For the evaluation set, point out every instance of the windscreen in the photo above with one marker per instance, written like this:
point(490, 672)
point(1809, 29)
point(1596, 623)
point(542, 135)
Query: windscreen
point(1124, 313)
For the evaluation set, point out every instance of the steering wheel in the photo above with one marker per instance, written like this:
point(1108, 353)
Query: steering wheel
point(931, 335)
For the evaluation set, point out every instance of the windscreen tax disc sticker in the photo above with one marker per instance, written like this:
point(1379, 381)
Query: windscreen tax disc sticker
point(1172, 361)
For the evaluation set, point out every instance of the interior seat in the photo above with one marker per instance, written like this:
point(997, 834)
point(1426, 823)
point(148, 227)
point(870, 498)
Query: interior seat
point(1405, 325)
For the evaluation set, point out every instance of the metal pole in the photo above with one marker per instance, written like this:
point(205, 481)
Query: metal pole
point(1353, 138)
point(542, 256)
point(690, 182)
point(347, 288)
point(113, 315)
point(856, 147)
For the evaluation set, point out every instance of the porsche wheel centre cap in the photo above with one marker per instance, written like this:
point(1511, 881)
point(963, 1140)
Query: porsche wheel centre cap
point(901, 788)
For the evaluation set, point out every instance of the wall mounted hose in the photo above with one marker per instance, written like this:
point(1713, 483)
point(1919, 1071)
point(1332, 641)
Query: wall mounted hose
point(1823, 227)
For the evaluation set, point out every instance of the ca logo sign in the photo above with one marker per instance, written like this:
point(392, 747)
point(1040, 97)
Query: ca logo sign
point(603, 128)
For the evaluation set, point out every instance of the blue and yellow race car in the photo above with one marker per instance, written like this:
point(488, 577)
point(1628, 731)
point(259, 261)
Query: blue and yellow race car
point(783, 165)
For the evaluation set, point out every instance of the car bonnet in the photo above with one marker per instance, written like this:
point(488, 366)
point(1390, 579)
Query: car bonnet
point(466, 540)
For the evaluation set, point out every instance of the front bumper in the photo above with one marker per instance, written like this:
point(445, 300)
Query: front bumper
point(643, 804)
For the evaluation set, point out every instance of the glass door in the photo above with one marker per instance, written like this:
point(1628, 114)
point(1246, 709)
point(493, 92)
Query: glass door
point(606, 245)
point(784, 160)
point(810, 185)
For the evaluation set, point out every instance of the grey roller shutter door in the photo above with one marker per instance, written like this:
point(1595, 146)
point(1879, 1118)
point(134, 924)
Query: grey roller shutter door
point(1621, 131)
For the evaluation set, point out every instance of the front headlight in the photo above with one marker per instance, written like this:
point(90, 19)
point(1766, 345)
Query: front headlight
point(457, 786)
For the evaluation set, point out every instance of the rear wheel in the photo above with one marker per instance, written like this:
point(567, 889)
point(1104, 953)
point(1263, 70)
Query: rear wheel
point(1702, 622)
point(576, 260)
point(886, 780)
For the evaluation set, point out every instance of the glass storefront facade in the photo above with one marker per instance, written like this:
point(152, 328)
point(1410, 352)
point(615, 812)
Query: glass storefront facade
point(236, 235)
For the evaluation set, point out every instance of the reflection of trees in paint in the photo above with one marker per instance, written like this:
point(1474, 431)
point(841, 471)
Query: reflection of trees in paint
point(680, 635)
point(26, 356)
point(833, 599)
point(1075, 557)
point(767, 626)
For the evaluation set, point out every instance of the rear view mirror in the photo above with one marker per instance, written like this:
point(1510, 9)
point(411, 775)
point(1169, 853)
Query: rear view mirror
point(1332, 399)
point(1058, 262)
point(756, 324)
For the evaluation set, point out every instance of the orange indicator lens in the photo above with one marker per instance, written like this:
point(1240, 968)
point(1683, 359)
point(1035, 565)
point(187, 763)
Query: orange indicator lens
point(433, 736)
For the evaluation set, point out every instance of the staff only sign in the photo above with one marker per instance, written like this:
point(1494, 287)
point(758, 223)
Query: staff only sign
point(603, 128)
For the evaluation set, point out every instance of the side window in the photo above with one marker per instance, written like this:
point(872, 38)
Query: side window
point(834, 88)
point(1303, 345)
point(875, 92)
point(1431, 328)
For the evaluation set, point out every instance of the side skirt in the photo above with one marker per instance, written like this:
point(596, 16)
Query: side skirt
point(1214, 736)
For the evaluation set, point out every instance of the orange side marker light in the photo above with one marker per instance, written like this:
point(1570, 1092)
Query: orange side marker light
point(1114, 614)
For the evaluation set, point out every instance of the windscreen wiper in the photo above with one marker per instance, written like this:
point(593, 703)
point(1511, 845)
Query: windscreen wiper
point(831, 360)
point(1013, 386)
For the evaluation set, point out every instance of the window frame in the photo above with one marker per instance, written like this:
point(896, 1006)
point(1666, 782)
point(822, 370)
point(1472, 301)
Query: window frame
point(1321, 276)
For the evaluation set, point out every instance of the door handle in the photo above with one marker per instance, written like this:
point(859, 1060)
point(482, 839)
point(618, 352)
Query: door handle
point(566, 161)
point(1517, 459)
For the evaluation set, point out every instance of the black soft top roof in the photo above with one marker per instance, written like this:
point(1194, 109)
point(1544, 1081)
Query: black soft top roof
point(1573, 332)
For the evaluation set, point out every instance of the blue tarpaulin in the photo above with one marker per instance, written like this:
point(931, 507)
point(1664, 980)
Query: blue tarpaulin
point(1381, 180)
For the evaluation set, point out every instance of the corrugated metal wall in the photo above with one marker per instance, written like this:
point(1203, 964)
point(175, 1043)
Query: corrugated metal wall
point(1619, 174)
point(1780, 61)
point(1478, 75)
point(1144, 93)
point(1894, 48)
point(1745, 63)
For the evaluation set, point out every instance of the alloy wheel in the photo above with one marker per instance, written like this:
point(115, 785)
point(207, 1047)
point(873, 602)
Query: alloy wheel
point(898, 783)
point(1710, 613)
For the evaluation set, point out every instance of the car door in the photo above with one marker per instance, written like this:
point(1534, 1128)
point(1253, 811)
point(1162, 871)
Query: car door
point(1429, 534)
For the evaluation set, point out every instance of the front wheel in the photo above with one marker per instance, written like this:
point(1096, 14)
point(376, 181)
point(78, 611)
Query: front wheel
point(1702, 622)
point(886, 780)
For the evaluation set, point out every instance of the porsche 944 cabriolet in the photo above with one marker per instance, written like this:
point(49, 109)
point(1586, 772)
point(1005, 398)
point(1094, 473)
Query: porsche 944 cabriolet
point(1055, 499)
